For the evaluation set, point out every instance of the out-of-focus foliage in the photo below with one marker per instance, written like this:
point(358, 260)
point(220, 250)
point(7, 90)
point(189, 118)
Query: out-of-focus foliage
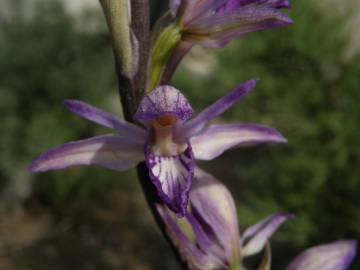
point(308, 91)
point(46, 58)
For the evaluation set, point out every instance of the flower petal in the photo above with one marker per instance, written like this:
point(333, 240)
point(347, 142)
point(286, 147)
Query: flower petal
point(195, 125)
point(334, 256)
point(214, 208)
point(98, 116)
point(235, 4)
point(255, 237)
point(172, 176)
point(220, 28)
point(219, 138)
point(109, 151)
point(164, 100)
point(194, 257)
point(198, 9)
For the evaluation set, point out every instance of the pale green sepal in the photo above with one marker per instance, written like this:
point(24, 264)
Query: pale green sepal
point(266, 260)
point(162, 50)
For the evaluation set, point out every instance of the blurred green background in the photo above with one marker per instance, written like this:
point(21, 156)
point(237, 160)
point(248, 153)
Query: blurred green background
point(92, 218)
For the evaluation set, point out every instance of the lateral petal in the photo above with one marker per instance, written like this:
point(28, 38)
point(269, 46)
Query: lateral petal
point(219, 138)
point(172, 177)
point(109, 151)
point(98, 116)
point(334, 256)
point(254, 238)
point(196, 124)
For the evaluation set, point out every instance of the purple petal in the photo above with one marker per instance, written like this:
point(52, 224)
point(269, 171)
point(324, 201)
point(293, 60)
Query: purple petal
point(164, 100)
point(255, 237)
point(235, 4)
point(219, 138)
point(334, 256)
point(213, 207)
point(196, 9)
point(172, 176)
point(109, 151)
point(194, 257)
point(195, 125)
point(98, 116)
point(206, 240)
point(220, 28)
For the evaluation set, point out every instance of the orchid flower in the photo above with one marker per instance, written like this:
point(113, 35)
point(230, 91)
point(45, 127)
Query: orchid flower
point(208, 238)
point(167, 141)
point(210, 23)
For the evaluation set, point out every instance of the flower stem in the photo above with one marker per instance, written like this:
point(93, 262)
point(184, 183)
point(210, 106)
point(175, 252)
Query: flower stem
point(132, 89)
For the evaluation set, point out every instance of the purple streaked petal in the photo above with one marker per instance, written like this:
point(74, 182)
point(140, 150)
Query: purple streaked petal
point(195, 125)
point(198, 9)
point(220, 28)
point(194, 257)
point(164, 100)
point(334, 256)
point(109, 151)
point(98, 116)
point(213, 206)
point(255, 237)
point(235, 4)
point(206, 241)
point(172, 177)
point(219, 138)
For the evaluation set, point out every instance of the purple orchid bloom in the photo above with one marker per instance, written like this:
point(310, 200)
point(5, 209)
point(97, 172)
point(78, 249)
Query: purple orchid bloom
point(214, 23)
point(209, 236)
point(168, 142)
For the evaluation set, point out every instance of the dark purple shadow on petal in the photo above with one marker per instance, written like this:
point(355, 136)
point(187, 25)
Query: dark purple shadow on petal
point(172, 177)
